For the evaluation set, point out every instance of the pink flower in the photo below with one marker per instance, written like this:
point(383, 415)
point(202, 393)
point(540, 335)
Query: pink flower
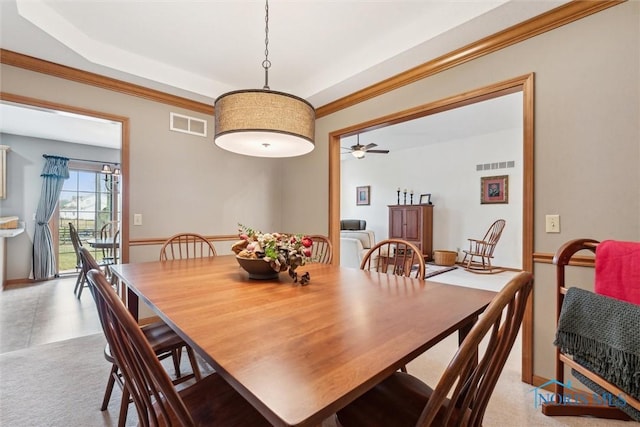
point(244, 236)
point(306, 252)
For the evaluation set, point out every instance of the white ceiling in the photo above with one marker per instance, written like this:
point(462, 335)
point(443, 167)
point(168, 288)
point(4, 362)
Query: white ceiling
point(320, 50)
point(59, 126)
point(486, 117)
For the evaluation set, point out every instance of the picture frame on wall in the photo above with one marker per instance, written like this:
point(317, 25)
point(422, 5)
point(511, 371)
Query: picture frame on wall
point(494, 189)
point(363, 195)
point(425, 199)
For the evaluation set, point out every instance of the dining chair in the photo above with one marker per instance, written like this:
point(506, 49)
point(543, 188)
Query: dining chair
point(163, 340)
point(186, 245)
point(460, 398)
point(321, 250)
point(208, 402)
point(115, 250)
point(395, 256)
point(81, 281)
point(478, 257)
point(108, 252)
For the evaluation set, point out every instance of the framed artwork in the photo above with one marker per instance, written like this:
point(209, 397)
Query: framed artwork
point(494, 189)
point(425, 199)
point(362, 195)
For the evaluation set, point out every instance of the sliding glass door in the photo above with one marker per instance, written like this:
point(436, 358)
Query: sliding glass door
point(90, 200)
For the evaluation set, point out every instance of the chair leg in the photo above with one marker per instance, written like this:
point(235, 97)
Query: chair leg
point(109, 390)
point(175, 355)
point(124, 407)
point(79, 281)
point(194, 363)
point(82, 283)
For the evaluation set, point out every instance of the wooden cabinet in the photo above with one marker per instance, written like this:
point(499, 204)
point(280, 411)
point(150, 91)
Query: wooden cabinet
point(413, 223)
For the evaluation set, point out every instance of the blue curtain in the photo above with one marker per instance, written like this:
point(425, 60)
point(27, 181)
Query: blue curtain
point(55, 171)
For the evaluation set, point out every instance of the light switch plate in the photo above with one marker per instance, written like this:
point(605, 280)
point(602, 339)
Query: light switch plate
point(137, 219)
point(552, 223)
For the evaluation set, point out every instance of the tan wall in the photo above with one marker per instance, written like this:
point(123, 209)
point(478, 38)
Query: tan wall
point(587, 149)
point(587, 136)
point(178, 182)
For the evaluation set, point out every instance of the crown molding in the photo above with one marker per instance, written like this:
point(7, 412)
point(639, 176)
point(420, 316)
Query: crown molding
point(62, 71)
point(548, 21)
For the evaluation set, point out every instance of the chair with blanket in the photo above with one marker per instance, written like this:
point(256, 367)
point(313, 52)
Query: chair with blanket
point(598, 335)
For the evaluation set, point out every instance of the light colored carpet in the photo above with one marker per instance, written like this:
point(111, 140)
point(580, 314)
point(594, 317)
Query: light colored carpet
point(62, 384)
point(57, 384)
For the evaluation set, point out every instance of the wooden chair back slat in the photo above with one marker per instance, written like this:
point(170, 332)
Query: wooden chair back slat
point(185, 246)
point(395, 256)
point(322, 249)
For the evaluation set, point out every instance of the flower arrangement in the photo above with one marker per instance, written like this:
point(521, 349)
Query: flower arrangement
point(282, 251)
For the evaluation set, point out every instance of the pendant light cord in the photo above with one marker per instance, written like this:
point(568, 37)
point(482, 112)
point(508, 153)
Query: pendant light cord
point(266, 63)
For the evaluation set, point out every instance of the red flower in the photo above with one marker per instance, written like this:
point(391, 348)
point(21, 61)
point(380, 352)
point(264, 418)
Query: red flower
point(307, 242)
point(306, 252)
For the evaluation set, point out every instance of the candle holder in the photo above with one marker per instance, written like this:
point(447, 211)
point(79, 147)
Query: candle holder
point(405, 197)
point(398, 196)
point(411, 198)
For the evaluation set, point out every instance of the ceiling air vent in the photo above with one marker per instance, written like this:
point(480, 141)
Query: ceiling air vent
point(186, 124)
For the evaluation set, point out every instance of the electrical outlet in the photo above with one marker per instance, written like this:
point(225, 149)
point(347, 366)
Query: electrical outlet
point(137, 219)
point(552, 223)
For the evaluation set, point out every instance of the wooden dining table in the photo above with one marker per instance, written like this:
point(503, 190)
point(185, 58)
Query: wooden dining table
point(300, 353)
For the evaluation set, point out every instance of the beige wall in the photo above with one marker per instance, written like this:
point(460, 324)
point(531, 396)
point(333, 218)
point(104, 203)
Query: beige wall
point(178, 182)
point(587, 149)
point(587, 136)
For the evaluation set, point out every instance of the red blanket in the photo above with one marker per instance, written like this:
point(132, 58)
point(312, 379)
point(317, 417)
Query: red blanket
point(618, 270)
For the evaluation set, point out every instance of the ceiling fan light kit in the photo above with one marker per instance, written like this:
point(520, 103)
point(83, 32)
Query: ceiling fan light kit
point(262, 122)
point(358, 151)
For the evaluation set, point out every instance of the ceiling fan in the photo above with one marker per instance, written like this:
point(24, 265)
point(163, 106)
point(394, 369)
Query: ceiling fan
point(358, 150)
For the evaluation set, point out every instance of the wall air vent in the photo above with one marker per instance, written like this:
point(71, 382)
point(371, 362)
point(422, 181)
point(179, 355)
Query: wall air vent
point(496, 165)
point(186, 124)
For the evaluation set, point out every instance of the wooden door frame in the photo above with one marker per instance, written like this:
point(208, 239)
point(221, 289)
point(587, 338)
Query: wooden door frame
point(524, 84)
point(124, 152)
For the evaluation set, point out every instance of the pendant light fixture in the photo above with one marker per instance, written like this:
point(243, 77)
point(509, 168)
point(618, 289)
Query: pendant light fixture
point(262, 122)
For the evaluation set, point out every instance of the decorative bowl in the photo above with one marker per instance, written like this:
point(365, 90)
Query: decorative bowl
point(257, 268)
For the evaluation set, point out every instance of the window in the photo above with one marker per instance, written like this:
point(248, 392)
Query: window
point(89, 200)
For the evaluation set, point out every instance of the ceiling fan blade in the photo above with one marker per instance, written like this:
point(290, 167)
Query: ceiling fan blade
point(378, 151)
point(369, 146)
